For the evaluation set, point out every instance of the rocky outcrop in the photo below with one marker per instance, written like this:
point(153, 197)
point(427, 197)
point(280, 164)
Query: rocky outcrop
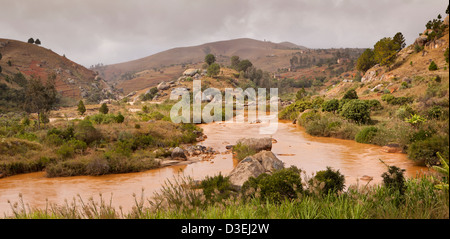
point(257, 144)
point(178, 154)
point(190, 72)
point(163, 86)
point(253, 166)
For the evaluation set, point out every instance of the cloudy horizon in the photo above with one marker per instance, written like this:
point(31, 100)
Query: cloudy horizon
point(108, 32)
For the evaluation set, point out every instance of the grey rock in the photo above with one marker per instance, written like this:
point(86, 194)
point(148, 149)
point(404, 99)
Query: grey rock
point(178, 154)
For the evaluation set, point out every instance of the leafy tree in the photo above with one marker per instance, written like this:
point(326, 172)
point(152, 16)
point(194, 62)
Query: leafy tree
point(399, 40)
point(40, 98)
point(235, 62)
point(37, 42)
point(394, 179)
point(330, 105)
point(432, 66)
point(365, 61)
point(385, 51)
point(356, 110)
point(333, 180)
point(244, 65)
point(31, 40)
point(213, 69)
point(350, 95)
point(104, 109)
point(301, 94)
point(81, 108)
point(209, 59)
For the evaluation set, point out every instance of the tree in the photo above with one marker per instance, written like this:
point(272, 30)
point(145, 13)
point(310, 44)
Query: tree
point(365, 61)
point(244, 65)
point(209, 59)
point(40, 98)
point(399, 40)
point(385, 51)
point(31, 40)
point(301, 94)
point(213, 69)
point(81, 108)
point(37, 42)
point(235, 62)
point(432, 66)
point(104, 109)
point(356, 110)
point(350, 95)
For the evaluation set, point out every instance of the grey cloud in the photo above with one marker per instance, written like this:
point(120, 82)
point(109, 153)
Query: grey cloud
point(114, 31)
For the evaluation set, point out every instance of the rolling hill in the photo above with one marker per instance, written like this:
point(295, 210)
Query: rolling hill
point(167, 65)
point(30, 60)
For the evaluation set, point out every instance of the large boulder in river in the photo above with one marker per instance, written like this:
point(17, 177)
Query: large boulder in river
point(253, 166)
point(249, 167)
point(178, 154)
point(257, 144)
point(269, 161)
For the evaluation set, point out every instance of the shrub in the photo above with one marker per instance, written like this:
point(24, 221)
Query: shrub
point(66, 151)
point(432, 66)
point(216, 188)
point(435, 112)
point(446, 55)
point(308, 117)
point(332, 181)
point(350, 95)
point(120, 118)
point(98, 166)
point(357, 111)
point(404, 111)
point(387, 98)
point(394, 180)
point(330, 105)
point(86, 132)
point(291, 112)
point(103, 109)
point(281, 185)
point(374, 104)
point(242, 151)
point(137, 126)
point(366, 135)
point(424, 152)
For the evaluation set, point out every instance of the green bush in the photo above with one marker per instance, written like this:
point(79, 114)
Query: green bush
point(350, 95)
point(120, 118)
point(97, 167)
point(292, 111)
point(332, 181)
point(436, 112)
point(404, 111)
point(242, 151)
point(432, 66)
point(394, 180)
point(281, 185)
point(374, 104)
point(216, 188)
point(366, 135)
point(356, 110)
point(424, 151)
point(308, 117)
point(66, 151)
point(330, 105)
point(86, 132)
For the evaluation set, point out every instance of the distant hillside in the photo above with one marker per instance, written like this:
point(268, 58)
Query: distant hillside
point(30, 60)
point(169, 65)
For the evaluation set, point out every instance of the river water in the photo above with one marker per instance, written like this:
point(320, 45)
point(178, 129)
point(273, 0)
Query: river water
point(293, 147)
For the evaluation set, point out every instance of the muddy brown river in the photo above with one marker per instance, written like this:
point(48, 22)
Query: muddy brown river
point(293, 147)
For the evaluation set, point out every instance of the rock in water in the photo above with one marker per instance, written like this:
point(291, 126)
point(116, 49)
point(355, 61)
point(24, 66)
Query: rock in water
point(269, 161)
point(178, 154)
point(247, 168)
point(253, 166)
point(257, 144)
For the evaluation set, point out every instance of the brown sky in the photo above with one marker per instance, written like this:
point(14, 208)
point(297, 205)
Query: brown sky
point(112, 31)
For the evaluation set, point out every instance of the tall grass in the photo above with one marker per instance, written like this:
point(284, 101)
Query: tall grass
point(180, 198)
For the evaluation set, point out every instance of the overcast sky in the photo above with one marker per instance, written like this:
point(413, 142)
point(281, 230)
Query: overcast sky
point(113, 31)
